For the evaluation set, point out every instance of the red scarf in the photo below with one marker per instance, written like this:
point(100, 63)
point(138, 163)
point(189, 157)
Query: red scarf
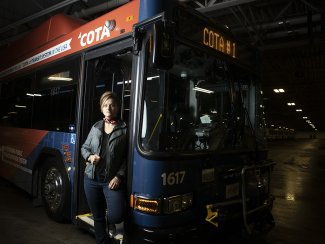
point(112, 121)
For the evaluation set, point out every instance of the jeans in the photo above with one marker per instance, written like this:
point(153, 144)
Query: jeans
point(100, 198)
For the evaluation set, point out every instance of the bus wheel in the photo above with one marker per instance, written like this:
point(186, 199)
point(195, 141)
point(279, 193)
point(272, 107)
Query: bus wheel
point(55, 190)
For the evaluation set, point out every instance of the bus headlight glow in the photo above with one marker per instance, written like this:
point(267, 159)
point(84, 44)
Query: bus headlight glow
point(147, 205)
point(178, 203)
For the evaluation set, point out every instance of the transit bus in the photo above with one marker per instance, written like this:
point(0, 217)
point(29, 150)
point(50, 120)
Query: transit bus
point(191, 98)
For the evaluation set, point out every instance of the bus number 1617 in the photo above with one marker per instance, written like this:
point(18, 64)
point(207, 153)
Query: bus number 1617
point(173, 178)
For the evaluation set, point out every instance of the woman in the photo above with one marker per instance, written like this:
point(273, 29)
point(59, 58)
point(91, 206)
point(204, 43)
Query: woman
point(105, 147)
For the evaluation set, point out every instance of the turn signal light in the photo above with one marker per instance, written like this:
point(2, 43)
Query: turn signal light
point(147, 205)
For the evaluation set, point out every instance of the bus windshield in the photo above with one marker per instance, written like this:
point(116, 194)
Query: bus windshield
point(199, 105)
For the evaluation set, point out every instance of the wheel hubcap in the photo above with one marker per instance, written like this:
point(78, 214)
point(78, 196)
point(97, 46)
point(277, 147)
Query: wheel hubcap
point(53, 187)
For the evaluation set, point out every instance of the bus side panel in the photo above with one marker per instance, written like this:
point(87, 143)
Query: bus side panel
point(17, 146)
point(20, 148)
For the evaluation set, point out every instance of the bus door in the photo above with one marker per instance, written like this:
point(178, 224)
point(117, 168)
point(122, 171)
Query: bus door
point(109, 72)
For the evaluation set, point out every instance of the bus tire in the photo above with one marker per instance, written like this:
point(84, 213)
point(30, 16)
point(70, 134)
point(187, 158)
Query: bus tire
point(55, 190)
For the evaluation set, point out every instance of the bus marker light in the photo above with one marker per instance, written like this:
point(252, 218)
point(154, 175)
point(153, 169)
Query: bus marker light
point(131, 201)
point(110, 24)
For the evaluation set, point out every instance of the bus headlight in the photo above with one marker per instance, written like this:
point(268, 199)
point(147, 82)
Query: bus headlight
point(178, 203)
point(147, 205)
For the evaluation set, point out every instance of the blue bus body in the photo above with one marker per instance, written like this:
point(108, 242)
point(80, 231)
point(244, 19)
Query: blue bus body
point(192, 100)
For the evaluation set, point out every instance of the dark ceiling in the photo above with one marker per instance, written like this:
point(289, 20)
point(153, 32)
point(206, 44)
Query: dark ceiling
point(290, 35)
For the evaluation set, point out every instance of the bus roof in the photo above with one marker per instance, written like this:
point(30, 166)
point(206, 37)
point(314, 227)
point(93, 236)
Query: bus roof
point(62, 35)
point(53, 28)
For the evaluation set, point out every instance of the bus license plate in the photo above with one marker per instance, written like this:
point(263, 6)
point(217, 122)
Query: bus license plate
point(232, 190)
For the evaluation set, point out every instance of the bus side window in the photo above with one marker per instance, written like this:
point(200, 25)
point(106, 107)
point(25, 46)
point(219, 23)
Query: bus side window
point(55, 94)
point(17, 108)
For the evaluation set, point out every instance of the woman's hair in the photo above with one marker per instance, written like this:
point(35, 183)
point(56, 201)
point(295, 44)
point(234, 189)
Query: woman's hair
point(109, 95)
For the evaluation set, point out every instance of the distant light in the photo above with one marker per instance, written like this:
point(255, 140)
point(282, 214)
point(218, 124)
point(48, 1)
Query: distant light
point(305, 117)
point(279, 90)
point(272, 125)
point(290, 197)
point(291, 104)
point(280, 22)
point(183, 74)
point(299, 110)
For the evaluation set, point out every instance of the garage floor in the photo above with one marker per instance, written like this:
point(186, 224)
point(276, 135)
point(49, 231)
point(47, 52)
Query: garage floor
point(299, 208)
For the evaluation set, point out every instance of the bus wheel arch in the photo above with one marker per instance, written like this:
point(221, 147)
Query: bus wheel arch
point(54, 187)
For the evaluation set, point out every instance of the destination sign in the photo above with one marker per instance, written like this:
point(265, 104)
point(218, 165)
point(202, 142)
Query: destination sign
point(218, 41)
point(202, 31)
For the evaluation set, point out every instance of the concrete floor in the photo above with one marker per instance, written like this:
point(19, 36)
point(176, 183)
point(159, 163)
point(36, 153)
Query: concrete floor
point(299, 209)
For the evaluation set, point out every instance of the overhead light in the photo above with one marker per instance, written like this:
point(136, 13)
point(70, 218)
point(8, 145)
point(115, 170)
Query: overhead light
point(20, 106)
point(291, 104)
point(299, 110)
point(305, 117)
point(33, 94)
point(60, 78)
point(202, 90)
point(279, 90)
point(153, 77)
point(125, 82)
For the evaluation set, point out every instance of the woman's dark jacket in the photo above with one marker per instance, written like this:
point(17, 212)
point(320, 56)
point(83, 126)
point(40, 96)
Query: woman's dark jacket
point(117, 145)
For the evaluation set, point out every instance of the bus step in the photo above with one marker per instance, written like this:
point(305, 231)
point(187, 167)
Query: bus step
point(117, 233)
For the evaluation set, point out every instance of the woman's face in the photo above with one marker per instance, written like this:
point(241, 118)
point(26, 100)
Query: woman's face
point(110, 108)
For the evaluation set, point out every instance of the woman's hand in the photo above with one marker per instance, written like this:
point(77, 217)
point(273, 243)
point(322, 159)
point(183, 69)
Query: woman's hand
point(114, 183)
point(94, 159)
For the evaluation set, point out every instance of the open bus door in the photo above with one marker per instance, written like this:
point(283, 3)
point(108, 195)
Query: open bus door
point(106, 69)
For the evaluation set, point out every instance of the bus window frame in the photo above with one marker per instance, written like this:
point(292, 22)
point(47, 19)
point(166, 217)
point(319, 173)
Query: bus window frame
point(86, 91)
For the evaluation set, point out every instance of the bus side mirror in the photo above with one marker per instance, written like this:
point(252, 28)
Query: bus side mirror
point(163, 45)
